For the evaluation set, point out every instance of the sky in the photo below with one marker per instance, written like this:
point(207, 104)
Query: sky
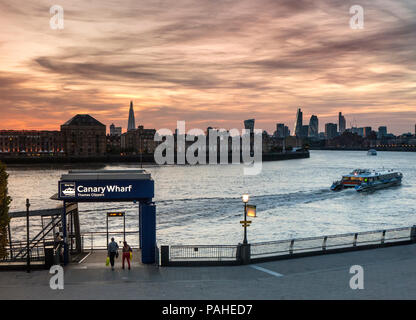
point(208, 62)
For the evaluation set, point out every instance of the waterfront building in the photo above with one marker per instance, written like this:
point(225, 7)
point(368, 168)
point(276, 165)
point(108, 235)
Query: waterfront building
point(367, 131)
point(30, 142)
point(359, 131)
point(280, 130)
point(132, 122)
point(313, 130)
point(249, 125)
point(84, 136)
point(330, 130)
point(113, 144)
point(287, 131)
point(299, 123)
point(115, 131)
point(382, 132)
point(139, 140)
point(341, 123)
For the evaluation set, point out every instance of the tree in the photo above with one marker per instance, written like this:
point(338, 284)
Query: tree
point(4, 210)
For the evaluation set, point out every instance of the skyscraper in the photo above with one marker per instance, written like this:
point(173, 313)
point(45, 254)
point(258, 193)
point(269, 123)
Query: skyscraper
point(330, 130)
point(341, 123)
point(313, 127)
point(367, 131)
point(299, 123)
point(280, 130)
point(132, 121)
point(382, 132)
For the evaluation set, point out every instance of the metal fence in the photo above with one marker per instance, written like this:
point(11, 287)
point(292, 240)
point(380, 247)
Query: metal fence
point(185, 254)
point(16, 252)
point(322, 243)
point(98, 240)
point(203, 253)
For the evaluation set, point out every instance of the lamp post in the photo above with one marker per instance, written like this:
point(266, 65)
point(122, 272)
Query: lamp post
point(245, 200)
point(27, 237)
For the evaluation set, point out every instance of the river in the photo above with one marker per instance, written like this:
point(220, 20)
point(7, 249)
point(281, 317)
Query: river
point(202, 204)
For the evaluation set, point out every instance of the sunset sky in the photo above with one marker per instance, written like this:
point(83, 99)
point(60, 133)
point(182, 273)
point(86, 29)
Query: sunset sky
point(209, 62)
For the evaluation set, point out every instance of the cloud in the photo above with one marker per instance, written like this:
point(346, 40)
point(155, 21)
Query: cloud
point(208, 62)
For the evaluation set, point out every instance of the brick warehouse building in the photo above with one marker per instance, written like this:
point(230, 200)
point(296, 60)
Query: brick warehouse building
point(139, 140)
point(31, 142)
point(84, 136)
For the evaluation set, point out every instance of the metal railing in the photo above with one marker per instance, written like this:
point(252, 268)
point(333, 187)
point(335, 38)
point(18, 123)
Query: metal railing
point(36, 253)
point(16, 251)
point(203, 253)
point(35, 243)
point(322, 243)
point(185, 254)
point(98, 240)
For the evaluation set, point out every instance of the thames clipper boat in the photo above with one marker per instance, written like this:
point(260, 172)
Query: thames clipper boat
point(366, 180)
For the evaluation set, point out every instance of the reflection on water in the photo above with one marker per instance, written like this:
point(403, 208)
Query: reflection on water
point(202, 204)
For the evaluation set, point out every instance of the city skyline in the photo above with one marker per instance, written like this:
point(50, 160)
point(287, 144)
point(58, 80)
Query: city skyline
point(209, 64)
point(311, 130)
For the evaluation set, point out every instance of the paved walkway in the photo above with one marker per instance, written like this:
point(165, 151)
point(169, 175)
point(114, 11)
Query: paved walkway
point(389, 273)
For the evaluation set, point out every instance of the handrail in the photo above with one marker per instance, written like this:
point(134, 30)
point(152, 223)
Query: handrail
point(89, 236)
point(183, 253)
point(34, 242)
point(332, 236)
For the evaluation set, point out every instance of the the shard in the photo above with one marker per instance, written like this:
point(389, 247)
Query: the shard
point(132, 121)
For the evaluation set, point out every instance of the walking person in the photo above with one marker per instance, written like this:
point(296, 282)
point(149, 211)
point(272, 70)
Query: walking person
point(112, 252)
point(58, 241)
point(126, 253)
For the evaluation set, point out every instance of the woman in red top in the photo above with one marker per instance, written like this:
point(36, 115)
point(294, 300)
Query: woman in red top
point(126, 253)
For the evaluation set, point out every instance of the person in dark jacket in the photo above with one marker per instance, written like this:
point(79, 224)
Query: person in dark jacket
point(112, 252)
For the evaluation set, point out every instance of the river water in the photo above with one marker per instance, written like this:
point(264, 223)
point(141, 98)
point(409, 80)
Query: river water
point(202, 204)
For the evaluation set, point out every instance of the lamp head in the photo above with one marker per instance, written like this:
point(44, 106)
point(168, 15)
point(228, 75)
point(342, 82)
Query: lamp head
point(245, 198)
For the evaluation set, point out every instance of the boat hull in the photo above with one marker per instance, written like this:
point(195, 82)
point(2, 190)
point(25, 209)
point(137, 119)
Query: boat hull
point(366, 180)
point(377, 186)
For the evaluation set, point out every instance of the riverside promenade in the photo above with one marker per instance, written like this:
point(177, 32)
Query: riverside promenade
point(389, 273)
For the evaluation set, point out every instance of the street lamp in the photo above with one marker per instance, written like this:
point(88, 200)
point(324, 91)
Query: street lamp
point(245, 200)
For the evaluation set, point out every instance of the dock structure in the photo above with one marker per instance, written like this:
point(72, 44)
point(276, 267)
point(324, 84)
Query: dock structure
point(136, 186)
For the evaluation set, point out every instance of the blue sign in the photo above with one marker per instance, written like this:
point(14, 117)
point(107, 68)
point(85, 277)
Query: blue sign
point(111, 190)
